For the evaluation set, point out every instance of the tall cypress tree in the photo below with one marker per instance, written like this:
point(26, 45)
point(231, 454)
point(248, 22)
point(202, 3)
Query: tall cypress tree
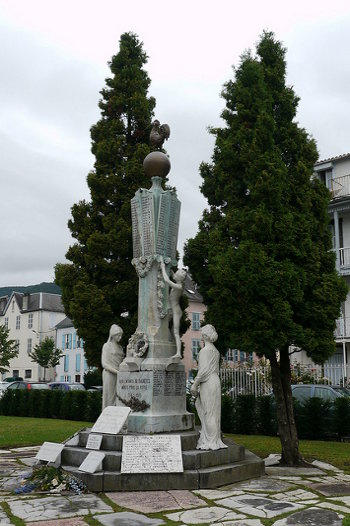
point(262, 256)
point(99, 285)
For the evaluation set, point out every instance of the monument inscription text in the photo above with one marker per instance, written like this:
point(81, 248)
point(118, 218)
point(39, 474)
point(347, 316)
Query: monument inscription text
point(151, 454)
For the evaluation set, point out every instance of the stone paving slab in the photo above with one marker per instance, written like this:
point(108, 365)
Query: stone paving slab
point(345, 499)
point(213, 494)
point(4, 518)
point(258, 506)
point(126, 518)
point(75, 521)
point(325, 466)
point(210, 515)
point(239, 522)
point(48, 508)
point(311, 517)
point(295, 495)
point(331, 490)
point(155, 501)
point(335, 507)
point(261, 484)
point(283, 470)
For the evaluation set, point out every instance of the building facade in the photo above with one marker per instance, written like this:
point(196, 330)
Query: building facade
point(30, 318)
point(195, 313)
point(72, 366)
point(335, 174)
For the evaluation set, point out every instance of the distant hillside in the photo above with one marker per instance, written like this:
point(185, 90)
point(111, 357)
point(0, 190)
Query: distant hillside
point(42, 287)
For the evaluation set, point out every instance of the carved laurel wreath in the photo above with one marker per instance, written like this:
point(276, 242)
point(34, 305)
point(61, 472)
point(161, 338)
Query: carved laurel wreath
point(134, 403)
point(160, 294)
point(142, 265)
point(138, 344)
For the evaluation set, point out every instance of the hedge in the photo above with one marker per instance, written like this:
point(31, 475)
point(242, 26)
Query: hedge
point(315, 418)
point(42, 403)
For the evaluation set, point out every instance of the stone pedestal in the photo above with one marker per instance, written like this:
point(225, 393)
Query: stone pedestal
point(157, 398)
point(202, 469)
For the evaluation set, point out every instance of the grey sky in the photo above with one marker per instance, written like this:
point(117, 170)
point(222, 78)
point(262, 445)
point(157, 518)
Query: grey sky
point(53, 65)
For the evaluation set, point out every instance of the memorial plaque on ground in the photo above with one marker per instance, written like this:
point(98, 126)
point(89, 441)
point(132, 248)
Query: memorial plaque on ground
point(151, 454)
point(93, 462)
point(111, 420)
point(49, 451)
point(94, 441)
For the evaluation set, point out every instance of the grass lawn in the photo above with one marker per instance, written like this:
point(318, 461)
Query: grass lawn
point(21, 431)
point(335, 453)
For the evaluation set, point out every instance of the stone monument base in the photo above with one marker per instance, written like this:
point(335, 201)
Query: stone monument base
point(140, 423)
point(157, 398)
point(202, 469)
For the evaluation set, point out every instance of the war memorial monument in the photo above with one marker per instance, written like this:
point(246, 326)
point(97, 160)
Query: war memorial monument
point(146, 439)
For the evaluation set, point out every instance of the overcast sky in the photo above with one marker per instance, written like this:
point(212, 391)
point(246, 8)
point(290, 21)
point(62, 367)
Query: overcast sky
point(53, 63)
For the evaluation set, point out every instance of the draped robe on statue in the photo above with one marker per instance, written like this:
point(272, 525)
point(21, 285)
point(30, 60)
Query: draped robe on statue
point(208, 403)
point(112, 356)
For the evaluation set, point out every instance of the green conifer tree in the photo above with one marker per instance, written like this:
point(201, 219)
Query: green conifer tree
point(262, 256)
point(99, 285)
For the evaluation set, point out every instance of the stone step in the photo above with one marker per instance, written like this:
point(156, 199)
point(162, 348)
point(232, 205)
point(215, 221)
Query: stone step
point(196, 458)
point(192, 459)
point(189, 440)
point(210, 477)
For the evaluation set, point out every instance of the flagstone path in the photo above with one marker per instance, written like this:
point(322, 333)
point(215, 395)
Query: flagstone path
point(318, 496)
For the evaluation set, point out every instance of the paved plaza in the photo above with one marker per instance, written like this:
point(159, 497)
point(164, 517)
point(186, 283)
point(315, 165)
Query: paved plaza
point(317, 496)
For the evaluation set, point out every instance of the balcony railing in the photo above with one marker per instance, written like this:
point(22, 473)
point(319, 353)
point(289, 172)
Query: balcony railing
point(342, 329)
point(340, 186)
point(344, 257)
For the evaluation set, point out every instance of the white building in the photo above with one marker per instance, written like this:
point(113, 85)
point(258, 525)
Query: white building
point(30, 318)
point(335, 174)
point(72, 366)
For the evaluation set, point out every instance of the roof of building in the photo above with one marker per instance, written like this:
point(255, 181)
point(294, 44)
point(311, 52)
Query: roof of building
point(64, 324)
point(191, 290)
point(331, 159)
point(33, 302)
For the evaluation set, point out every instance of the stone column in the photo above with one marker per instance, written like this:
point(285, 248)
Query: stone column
point(151, 380)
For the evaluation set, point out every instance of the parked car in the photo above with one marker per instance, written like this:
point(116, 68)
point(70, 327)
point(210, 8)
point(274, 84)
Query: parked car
point(66, 386)
point(342, 390)
point(303, 392)
point(3, 387)
point(96, 388)
point(27, 385)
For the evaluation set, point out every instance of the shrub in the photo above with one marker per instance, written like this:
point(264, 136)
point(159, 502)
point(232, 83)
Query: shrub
point(341, 417)
point(313, 418)
point(93, 377)
point(94, 406)
point(245, 414)
point(227, 414)
point(40, 403)
point(266, 423)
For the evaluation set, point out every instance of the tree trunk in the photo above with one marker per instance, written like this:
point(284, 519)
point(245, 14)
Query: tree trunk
point(281, 384)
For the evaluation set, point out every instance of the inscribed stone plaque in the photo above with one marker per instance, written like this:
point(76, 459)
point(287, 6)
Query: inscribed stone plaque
point(151, 454)
point(136, 238)
point(169, 383)
point(93, 462)
point(147, 226)
point(173, 227)
point(111, 420)
point(49, 451)
point(94, 441)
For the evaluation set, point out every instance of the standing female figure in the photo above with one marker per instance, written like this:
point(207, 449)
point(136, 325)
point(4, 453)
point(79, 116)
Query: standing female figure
point(207, 386)
point(112, 357)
